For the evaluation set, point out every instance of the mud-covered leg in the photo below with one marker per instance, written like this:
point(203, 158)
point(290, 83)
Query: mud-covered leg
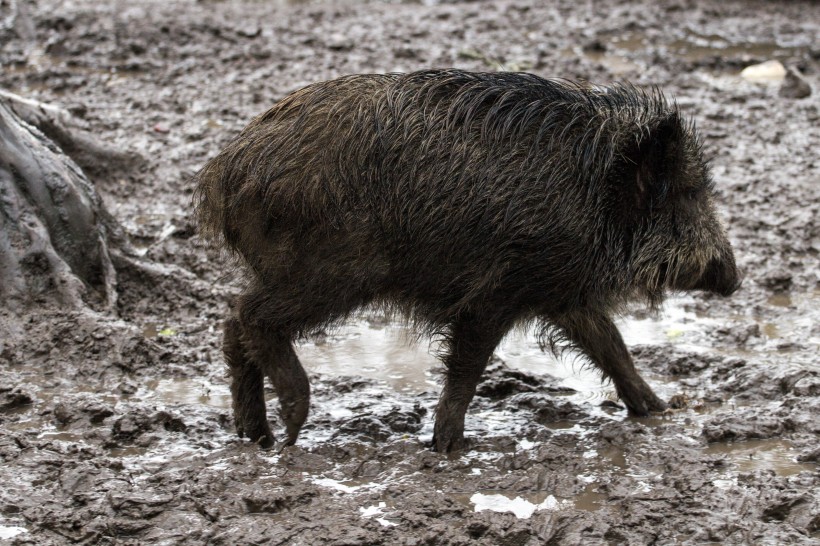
point(289, 379)
point(268, 345)
point(470, 346)
point(247, 388)
point(597, 336)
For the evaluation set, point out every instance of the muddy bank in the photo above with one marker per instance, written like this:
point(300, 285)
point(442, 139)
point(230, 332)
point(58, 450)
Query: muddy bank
point(115, 427)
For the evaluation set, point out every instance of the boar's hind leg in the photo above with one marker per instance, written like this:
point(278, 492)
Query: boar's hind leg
point(291, 384)
point(247, 388)
point(470, 345)
point(596, 335)
point(269, 346)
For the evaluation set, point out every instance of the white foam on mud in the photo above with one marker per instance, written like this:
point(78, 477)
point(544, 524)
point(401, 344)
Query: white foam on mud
point(521, 508)
point(340, 412)
point(376, 510)
point(337, 485)
point(482, 456)
point(344, 488)
point(525, 444)
point(11, 531)
point(725, 484)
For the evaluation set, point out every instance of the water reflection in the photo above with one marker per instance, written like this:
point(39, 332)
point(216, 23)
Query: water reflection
point(394, 355)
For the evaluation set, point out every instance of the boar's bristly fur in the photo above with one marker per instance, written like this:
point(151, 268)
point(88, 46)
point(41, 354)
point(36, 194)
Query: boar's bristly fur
point(469, 202)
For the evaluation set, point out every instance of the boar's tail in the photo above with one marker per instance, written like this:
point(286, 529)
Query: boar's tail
point(218, 192)
point(209, 199)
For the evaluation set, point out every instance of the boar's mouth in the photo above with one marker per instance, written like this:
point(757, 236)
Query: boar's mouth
point(719, 277)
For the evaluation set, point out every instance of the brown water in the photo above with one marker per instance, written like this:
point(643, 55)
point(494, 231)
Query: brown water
point(770, 454)
point(392, 353)
point(622, 53)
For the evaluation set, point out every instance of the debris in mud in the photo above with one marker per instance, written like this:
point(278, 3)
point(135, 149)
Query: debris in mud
point(13, 397)
point(679, 401)
point(794, 86)
point(764, 72)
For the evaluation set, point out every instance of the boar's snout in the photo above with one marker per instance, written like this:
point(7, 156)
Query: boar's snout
point(721, 276)
point(735, 287)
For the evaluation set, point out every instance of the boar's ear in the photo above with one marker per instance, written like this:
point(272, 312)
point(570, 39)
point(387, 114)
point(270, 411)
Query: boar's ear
point(651, 161)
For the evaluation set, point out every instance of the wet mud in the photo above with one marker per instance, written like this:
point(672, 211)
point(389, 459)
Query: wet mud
point(116, 427)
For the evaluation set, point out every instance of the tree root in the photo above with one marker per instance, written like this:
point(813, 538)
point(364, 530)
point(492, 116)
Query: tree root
point(54, 230)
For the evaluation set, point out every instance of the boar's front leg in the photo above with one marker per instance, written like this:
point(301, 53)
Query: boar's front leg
point(598, 338)
point(470, 344)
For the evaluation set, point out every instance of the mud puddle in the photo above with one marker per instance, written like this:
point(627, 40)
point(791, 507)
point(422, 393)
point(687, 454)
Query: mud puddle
point(628, 52)
point(390, 352)
point(773, 454)
point(371, 369)
point(187, 391)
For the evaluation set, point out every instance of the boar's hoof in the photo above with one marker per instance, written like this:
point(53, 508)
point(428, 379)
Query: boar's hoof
point(449, 444)
point(265, 442)
point(291, 438)
point(638, 397)
point(294, 414)
point(646, 405)
point(259, 433)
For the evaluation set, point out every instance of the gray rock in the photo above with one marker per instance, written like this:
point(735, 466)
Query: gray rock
point(794, 86)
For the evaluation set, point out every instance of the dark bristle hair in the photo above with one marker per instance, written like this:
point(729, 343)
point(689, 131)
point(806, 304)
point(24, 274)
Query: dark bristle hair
point(409, 159)
point(509, 107)
point(468, 203)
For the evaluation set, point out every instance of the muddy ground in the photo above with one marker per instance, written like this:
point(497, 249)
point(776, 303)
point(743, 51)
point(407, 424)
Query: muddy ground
point(115, 427)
